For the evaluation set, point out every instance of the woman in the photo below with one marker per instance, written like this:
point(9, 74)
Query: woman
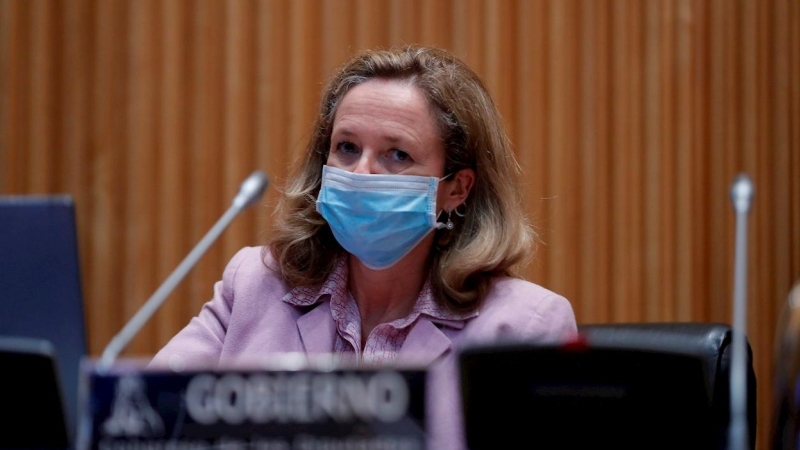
point(394, 242)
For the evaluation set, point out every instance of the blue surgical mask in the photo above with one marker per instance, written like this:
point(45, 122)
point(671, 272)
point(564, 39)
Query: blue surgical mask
point(378, 218)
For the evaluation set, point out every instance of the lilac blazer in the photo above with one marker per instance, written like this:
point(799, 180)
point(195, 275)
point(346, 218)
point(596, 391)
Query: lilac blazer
point(247, 320)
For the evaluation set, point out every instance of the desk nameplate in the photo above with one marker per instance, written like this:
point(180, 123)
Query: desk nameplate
point(341, 409)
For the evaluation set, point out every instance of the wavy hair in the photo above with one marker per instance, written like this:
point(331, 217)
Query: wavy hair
point(491, 238)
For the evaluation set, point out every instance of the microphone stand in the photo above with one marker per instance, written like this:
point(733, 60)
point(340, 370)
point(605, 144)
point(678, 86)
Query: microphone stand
point(738, 437)
point(250, 191)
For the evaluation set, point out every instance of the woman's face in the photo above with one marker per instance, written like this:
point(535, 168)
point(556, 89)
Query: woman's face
point(386, 127)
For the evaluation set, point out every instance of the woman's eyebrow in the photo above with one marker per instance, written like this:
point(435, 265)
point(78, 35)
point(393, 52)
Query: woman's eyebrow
point(392, 138)
point(344, 131)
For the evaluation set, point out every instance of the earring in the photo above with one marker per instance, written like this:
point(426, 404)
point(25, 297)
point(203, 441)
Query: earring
point(465, 210)
point(449, 225)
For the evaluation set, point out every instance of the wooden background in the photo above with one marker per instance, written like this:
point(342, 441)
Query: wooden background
point(630, 118)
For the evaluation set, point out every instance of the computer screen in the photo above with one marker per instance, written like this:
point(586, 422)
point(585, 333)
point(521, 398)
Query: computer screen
point(32, 398)
point(40, 282)
point(552, 397)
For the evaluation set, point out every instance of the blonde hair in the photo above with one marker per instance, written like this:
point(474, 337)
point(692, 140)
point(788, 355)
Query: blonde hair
point(491, 238)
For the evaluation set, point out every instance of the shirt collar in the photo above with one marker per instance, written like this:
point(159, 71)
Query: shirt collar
point(336, 283)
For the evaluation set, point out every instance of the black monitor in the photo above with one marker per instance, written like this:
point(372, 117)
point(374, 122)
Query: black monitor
point(35, 415)
point(40, 283)
point(519, 395)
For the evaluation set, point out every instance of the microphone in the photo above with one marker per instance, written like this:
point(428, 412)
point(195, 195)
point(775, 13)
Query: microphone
point(738, 435)
point(250, 191)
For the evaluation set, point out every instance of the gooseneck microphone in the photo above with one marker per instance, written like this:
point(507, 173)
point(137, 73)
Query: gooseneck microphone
point(738, 435)
point(251, 189)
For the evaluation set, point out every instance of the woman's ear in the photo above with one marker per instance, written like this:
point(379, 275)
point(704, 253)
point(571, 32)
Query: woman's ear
point(458, 188)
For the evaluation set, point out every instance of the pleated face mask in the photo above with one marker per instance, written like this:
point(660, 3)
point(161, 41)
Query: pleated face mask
point(378, 218)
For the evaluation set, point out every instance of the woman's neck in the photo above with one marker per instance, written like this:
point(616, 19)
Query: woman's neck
point(386, 295)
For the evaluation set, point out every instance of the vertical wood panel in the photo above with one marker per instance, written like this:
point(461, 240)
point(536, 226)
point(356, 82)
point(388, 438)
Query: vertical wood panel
point(685, 223)
point(588, 126)
point(275, 152)
point(764, 297)
point(780, 90)
point(793, 22)
point(206, 140)
point(16, 99)
point(239, 119)
point(699, 143)
point(405, 24)
point(532, 136)
point(669, 178)
point(304, 72)
point(437, 25)
point(173, 237)
point(8, 15)
point(786, 164)
point(595, 286)
point(75, 123)
point(732, 162)
point(105, 308)
point(720, 106)
point(372, 17)
point(561, 122)
point(470, 34)
point(500, 69)
point(141, 164)
point(635, 253)
point(654, 180)
point(339, 35)
point(686, 236)
point(622, 222)
point(42, 174)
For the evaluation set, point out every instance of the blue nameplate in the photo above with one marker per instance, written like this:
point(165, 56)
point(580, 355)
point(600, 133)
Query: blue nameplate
point(302, 409)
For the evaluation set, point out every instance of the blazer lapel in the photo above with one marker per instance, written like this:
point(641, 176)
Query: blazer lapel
point(317, 329)
point(424, 343)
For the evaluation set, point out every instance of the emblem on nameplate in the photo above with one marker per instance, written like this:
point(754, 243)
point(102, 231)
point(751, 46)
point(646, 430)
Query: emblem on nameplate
point(131, 413)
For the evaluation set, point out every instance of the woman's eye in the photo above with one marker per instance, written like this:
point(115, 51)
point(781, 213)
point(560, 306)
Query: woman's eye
point(399, 155)
point(347, 148)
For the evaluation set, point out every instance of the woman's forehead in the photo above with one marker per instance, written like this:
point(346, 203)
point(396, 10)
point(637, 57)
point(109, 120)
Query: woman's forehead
point(396, 108)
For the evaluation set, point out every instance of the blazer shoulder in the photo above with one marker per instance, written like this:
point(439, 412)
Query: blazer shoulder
point(252, 269)
point(516, 308)
point(506, 292)
point(250, 257)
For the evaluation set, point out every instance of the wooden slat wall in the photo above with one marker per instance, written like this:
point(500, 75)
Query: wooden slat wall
point(630, 119)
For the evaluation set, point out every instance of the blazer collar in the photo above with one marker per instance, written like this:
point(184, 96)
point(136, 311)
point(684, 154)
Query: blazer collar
point(317, 329)
point(424, 344)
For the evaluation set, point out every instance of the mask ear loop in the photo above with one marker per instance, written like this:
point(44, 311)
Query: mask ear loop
point(458, 213)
